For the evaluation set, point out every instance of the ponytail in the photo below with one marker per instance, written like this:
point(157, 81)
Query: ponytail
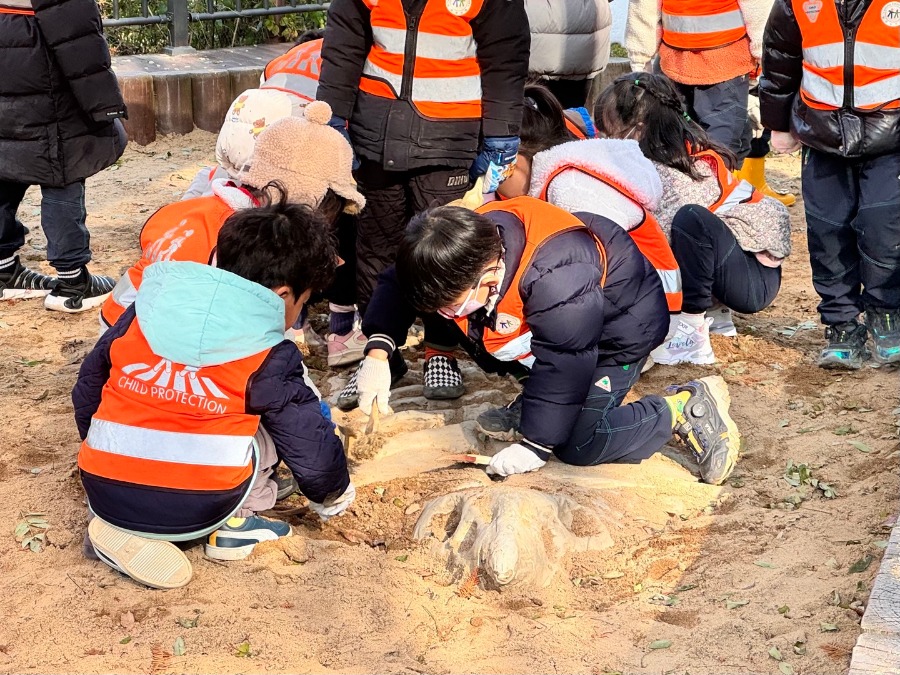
point(667, 134)
point(543, 121)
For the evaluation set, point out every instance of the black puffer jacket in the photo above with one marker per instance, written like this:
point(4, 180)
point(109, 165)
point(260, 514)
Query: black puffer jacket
point(577, 325)
point(846, 132)
point(59, 99)
point(392, 132)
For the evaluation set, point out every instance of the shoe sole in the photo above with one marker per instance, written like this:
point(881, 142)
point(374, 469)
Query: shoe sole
point(443, 393)
point(718, 390)
point(840, 364)
point(152, 562)
point(22, 294)
point(57, 303)
point(678, 362)
point(236, 552)
point(889, 359)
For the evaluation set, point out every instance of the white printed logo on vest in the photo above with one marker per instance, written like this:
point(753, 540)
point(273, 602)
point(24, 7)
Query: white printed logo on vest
point(812, 9)
point(458, 7)
point(168, 382)
point(890, 14)
point(156, 252)
point(604, 383)
point(507, 324)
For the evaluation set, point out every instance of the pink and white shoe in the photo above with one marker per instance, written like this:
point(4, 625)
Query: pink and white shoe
point(346, 349)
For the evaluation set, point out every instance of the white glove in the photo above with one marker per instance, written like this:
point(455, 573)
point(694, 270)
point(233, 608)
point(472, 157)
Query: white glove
point(331, 508)
point(515, 459)
point(784, 142)
point(373, 384)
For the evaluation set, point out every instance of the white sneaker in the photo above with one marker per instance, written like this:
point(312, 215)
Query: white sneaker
point(722, 323)
point(687, 344)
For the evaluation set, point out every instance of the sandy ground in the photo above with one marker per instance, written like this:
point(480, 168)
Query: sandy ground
point(725, 575)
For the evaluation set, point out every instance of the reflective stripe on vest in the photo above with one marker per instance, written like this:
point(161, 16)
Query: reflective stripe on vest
point(22, 7)
point(876, 55)
point(732, 191)
point(648, 237)
point(701, 24)
point(445, 78)
point(121, 298)
point(541, 221)
point(297, 71)
point(166, 425)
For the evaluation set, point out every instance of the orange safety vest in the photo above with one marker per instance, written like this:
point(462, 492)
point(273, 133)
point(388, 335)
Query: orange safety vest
point(297, 71)
point(170, 426)
point(22, 7)
point(695, 25)
point(511, 339)
point(431, 62)
point(185, 231)
point(874, 68)
point(648, 236)
point(732, 190)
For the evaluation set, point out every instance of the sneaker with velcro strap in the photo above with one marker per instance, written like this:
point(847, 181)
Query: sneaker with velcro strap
point(80, 293)
point(442, 379)
point(152, 562)
point(236, 539)
point(21, 283)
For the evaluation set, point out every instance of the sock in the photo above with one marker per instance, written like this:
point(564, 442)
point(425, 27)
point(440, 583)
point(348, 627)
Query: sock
point(340, 322)
point(7, 265)
point(437, 351)
point(676, 404)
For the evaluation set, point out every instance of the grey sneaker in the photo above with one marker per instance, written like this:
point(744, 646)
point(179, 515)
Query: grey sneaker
point(706, 427)
point(846, 348)
point(502, 423)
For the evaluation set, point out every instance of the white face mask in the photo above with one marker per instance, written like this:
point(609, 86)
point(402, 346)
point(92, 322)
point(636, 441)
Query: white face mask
point(471, 304)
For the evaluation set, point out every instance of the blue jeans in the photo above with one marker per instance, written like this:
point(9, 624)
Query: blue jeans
point(853, 229)
point(62, 219)
point(607, 431)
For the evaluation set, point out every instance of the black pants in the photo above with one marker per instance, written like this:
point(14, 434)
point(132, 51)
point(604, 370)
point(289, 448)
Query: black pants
point(62, 219)
point(853, 228)
point(721, 109)
point(607, 431)
point(713, 265)
point(570, 93)
point(343, 289)
point(392, 199)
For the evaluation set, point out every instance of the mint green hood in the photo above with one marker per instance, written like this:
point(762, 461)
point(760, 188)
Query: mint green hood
point(198, 315)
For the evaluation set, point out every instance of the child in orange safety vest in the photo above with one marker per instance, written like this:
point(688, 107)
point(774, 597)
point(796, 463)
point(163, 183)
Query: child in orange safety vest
point(316, 172)
point(728, 238)
point(189, 401)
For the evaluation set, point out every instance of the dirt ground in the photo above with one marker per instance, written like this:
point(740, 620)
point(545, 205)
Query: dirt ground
point(728, 578)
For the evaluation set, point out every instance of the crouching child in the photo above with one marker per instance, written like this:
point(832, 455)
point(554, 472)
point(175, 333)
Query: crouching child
point(187, 404)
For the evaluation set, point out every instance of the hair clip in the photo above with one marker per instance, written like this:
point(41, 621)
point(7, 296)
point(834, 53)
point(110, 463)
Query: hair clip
point(531, 103)
point(686, 116)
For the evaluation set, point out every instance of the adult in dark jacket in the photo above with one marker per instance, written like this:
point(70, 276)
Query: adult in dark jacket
point(430, 92)
point(60, 106)
point(830, 83)
point(571, 299)
point(189, 401)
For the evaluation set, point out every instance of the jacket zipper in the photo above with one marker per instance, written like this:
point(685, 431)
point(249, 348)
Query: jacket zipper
point(409, 54)
point(849, 41)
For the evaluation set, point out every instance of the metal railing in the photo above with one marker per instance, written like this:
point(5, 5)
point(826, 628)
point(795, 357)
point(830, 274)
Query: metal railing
point(178, 16)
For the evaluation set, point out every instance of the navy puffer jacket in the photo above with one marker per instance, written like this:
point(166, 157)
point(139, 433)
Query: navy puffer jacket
point(60, 103)
point(577, 326)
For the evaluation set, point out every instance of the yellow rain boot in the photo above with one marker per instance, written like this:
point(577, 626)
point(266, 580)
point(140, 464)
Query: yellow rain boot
point(754, 172)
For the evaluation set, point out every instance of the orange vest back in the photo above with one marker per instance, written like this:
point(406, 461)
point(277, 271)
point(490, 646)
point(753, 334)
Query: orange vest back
point(168, 425)
point(696, 25)
point(648, 236)
point(186, 231)
point(511, 340)
point(732, 190)
point(437, 70)
point(874, 78)
point(297, 71)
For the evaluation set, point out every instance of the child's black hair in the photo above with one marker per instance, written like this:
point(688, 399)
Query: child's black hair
point(310, 35)
point(443, 252)
point(667, 134)
point(543, 121)
point(279, 244)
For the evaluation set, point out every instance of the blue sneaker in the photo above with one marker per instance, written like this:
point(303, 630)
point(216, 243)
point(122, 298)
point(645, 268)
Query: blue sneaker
point(846, 348)
point(237, 537)
point(885, 329)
